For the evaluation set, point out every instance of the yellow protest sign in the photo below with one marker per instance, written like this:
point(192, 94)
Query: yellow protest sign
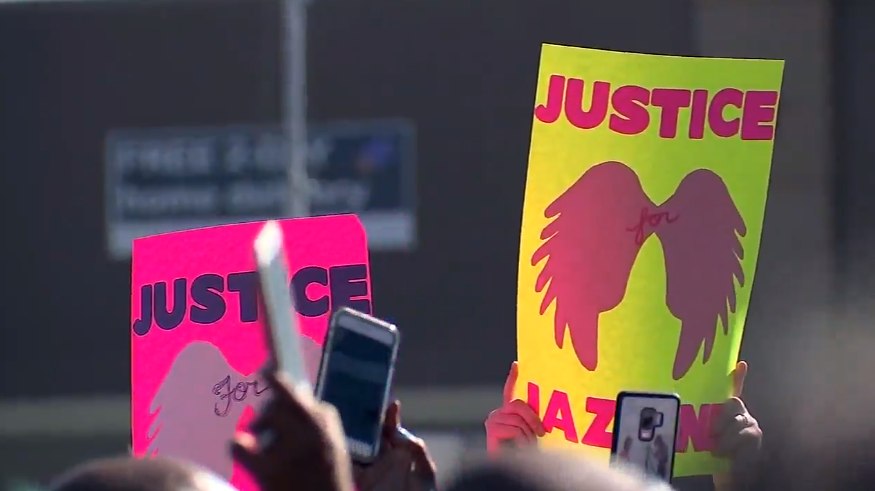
point(644, 206)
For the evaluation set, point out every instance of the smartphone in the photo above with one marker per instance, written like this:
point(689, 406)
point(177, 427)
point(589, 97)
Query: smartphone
point(645, 432)
point(281, 328)
point(355, 376)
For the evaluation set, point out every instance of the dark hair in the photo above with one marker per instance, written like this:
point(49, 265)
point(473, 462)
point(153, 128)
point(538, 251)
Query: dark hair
point(127, 474)
point(546, 471)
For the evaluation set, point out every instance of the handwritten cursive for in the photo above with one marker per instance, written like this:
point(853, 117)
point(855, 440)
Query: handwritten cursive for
point(229, 394)
point(651, 219)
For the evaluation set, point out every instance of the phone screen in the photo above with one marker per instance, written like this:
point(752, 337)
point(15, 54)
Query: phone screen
point(645, 428)
point(357, 373)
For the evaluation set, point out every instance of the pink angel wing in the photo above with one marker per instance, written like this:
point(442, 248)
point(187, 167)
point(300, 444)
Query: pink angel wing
point(589, 250)
point(703, 254)
point(192, 420)
point(312, 354)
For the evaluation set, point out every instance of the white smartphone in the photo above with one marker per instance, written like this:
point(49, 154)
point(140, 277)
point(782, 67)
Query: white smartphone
point(355, 376)
point(281, 326)
point(645, 432)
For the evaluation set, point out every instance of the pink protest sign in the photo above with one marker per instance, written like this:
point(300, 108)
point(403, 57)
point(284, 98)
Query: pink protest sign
point(197, 337)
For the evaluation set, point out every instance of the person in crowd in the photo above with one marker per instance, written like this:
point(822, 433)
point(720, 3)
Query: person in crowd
point(525, 470)
point(655, 455)
point(132, 474)
point(659, 459)
point(297, 442)
point(626, 450)
point(737, 434)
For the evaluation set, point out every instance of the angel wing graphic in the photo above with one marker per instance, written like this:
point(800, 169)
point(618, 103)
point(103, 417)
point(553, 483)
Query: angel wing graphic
point(312, 358)
point(191, 420)
point(588, 253)
point(703, 254)
point(199, 404)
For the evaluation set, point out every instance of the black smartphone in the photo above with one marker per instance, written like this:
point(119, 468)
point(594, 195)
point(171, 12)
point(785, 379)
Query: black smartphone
point(355, 376)
point(645, 432)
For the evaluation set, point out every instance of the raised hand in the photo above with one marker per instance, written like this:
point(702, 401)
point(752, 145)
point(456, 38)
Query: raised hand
point(403, 464)
point(296, 442)
point(737, 435)
point(515, 422)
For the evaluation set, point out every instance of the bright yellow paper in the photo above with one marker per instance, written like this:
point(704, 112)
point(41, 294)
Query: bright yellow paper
point(644, 256)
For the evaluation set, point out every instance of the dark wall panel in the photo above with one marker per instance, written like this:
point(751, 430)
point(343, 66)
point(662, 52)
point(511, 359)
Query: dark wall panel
point(854, 35)
point(463, 71)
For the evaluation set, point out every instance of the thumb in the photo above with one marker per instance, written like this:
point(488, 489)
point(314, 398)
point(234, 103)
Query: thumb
point(424, 466)
point(738, 376)
point(392, 421)
point(510, 383)
point(393, 415)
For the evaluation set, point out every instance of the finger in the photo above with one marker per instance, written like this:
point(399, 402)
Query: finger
point(244, 450)
point(740, 444)
point(284, 417)
point(328, 420)
point(512, 419)
point(294, 405)
point(275, 416)
point(722, 415)
point(393, 416)
point(510, 383)
point(738, 376)
point(726, 444)
point(391, 423)
point(404, 439)
point(520, 407)
point(728, 416)
point(389, 465)
point(423, 465)
point(502, 432)
point(416, 447)
point(284, 389)
point(731, 433)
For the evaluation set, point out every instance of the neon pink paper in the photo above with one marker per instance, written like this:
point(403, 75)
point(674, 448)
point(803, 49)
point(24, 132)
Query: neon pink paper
point(182, 405)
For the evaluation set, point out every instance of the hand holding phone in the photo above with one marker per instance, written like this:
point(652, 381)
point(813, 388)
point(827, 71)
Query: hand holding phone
point(645, 432)
point(295, 438)
point(308, 449)
point(355, 376)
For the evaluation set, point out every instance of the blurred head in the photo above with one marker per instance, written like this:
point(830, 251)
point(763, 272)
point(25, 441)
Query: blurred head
point(132, 474)
point(546, 471)
point(659, 442)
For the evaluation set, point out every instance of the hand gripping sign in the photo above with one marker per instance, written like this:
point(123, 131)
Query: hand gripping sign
point(643, 212)
point(197, 337)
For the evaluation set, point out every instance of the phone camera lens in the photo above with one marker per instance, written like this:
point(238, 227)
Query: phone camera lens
point(647, 420)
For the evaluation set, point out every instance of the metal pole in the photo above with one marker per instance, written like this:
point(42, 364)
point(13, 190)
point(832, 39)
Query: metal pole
point(295, 104)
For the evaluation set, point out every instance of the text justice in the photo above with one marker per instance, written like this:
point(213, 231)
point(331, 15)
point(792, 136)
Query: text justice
point(557, 415)
point(345, 286)
point(728, 112)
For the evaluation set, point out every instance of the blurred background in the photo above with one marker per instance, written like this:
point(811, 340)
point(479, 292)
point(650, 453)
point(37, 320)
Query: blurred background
point(418, 117)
